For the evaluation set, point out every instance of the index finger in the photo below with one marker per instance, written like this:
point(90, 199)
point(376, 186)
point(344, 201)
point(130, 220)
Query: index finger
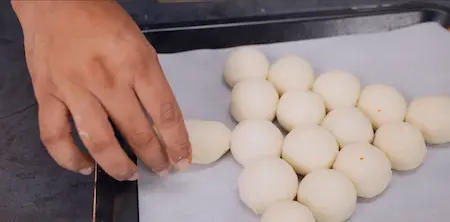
point(155, 94)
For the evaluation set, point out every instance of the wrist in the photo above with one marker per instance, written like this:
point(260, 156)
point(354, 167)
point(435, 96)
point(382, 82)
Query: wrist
point(32, 13)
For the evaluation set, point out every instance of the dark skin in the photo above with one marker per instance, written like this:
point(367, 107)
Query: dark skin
point(89, 60)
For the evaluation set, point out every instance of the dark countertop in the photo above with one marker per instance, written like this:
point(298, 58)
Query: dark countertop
point(32, 186)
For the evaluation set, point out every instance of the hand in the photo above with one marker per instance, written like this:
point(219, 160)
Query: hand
point(88, 59)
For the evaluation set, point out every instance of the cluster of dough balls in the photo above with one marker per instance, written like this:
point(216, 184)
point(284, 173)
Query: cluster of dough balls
point(344, 139)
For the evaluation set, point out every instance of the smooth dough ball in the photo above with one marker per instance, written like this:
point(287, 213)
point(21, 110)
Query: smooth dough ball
point(245, 62)
point(348, 125)
point(298, 108)
point(403, 144)
point(209, 140)
point(253, 99)
point(255, 139)
point(287, 211)
point(329, 194)
point(310, 148)
point(338, 89)
point(291, 73)
point(265, 182)
point(382, 104)
point(367, 167)
point(431, 115)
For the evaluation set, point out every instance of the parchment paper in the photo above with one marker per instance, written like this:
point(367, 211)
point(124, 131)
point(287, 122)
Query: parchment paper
point(415, 60)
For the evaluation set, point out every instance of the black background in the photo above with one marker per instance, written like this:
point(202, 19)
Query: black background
point(32, 186)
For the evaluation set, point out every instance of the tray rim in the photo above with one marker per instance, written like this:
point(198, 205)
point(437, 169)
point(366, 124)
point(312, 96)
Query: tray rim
point(321, 14)
point(324, 14)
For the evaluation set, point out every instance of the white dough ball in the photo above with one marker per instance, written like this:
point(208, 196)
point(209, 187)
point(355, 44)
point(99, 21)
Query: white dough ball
point(310, 148)
point(209, 140)
point(255, 139)
point(431, 115)
point(348, 125)
point(403, 144)
point(265, 182)
point(382, 104)
point(253, 99)
point(338, 88)
point(291, 73)
point(245, 62)
point(287, 211)
point(297, 108)
point(329, 194)
point(367, 167)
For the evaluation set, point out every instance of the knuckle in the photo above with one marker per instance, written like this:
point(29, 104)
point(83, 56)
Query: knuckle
point(100, 145)
point(149, 149)
point(169, 115)
point(101, 76)
point(49, 138)
point(143, 140)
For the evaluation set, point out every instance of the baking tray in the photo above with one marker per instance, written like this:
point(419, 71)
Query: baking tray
point(118, 201)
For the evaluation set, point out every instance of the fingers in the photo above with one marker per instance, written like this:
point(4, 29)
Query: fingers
point(97, 134)
point(126, 112)
point(55, 134)
point(155, 94)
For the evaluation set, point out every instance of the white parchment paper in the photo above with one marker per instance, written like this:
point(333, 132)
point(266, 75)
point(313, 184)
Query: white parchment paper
point(415, 60)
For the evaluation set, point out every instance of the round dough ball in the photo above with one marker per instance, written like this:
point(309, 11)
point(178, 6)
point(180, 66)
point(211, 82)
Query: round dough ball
point(367, 167)
point(297, 108)
point(291, 73)
point(348, 125)
point(245, 62)
point(329, 194)
point(255, 139)
point(431, 115)
point(209, 140)
point(310, 148)
point(382, 104)
point(253, 99)
point(338, 89)
point(287, 211)
point(265, 182)
point(403, 144)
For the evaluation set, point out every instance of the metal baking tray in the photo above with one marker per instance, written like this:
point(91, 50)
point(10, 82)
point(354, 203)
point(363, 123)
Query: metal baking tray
point(118, 201)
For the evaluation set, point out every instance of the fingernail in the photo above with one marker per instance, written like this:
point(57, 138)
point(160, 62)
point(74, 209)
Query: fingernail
point(134, 177)
point(163, 173)
point(182, 164)
point(86, 171)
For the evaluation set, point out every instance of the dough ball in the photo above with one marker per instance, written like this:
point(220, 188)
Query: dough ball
point(255, 139)
point(338, 89)
point(253, 99)
point(209, 140)
point(245, 62)
point(291, 73)
point(287, 211)
point(298, 108)
point(403, 144)
point(348, 125)
point(431, 115)
point(367, 167)
point(310, 148)
point(382, 104)
point(265, 182)
point(329, 194)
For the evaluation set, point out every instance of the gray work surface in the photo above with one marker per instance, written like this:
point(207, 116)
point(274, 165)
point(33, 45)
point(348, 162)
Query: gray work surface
point(32, 186)
point(414, 60)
